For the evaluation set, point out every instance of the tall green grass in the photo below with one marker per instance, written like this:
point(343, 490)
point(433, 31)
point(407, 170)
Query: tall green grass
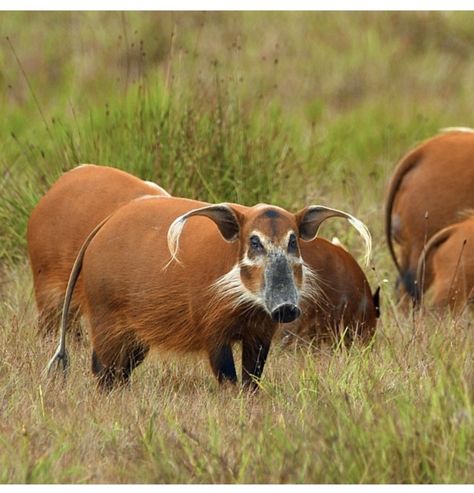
point(218, 154)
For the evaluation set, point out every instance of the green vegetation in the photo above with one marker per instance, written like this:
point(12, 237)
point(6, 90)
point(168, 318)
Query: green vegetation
point(284, 108)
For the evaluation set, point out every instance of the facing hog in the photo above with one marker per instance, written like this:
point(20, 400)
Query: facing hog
point(186, 276)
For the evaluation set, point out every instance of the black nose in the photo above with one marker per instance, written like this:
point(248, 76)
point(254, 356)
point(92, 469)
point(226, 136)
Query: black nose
point(285, 313)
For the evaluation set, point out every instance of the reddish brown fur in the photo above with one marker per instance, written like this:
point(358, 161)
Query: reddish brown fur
point(136, 295)
point(446, 268)
point(133, 296)
point(345, 304)
point(437, 179)
point(61, 221)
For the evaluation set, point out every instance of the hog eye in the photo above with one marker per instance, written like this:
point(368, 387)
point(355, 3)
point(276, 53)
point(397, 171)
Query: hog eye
point(292, 244)
point(256, 244)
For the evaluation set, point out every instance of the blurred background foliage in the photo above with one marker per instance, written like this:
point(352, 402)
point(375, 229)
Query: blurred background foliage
point(285, 108)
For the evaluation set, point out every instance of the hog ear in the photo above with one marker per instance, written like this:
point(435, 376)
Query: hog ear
point(310, 219)
point(223, 215)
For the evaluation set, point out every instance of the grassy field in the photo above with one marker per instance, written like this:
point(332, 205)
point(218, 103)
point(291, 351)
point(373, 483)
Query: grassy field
point(284, 108)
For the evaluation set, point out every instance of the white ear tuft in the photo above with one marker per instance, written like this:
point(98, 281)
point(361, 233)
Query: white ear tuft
point(325, 213)
point(365, 233)
point(174, 234)
point(221, 214)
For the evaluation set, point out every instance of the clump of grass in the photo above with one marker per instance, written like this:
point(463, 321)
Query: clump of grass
point(217, 155)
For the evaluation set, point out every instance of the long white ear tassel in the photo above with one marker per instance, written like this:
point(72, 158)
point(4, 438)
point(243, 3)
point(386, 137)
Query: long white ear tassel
point(174, 233)
point(361, 228)
point(365, 233)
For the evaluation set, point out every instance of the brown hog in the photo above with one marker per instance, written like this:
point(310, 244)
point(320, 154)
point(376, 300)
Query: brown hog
point(429, 189)
point(61, 221)
point(345, 304)
point(446, 267)
point(186, 276)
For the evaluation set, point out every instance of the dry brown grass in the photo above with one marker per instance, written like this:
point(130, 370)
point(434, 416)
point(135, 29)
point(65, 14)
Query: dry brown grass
point(398, 412)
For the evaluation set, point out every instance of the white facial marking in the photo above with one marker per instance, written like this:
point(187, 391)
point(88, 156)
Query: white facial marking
point(262, 237)
point(311, 290)
point(230, 286)
point(273, 248)
point(255, 262)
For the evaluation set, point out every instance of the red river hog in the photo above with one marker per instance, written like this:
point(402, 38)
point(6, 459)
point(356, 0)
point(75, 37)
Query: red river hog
point(61, 221)
point(445, 271)
point(431, 186)
point(187, 276)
